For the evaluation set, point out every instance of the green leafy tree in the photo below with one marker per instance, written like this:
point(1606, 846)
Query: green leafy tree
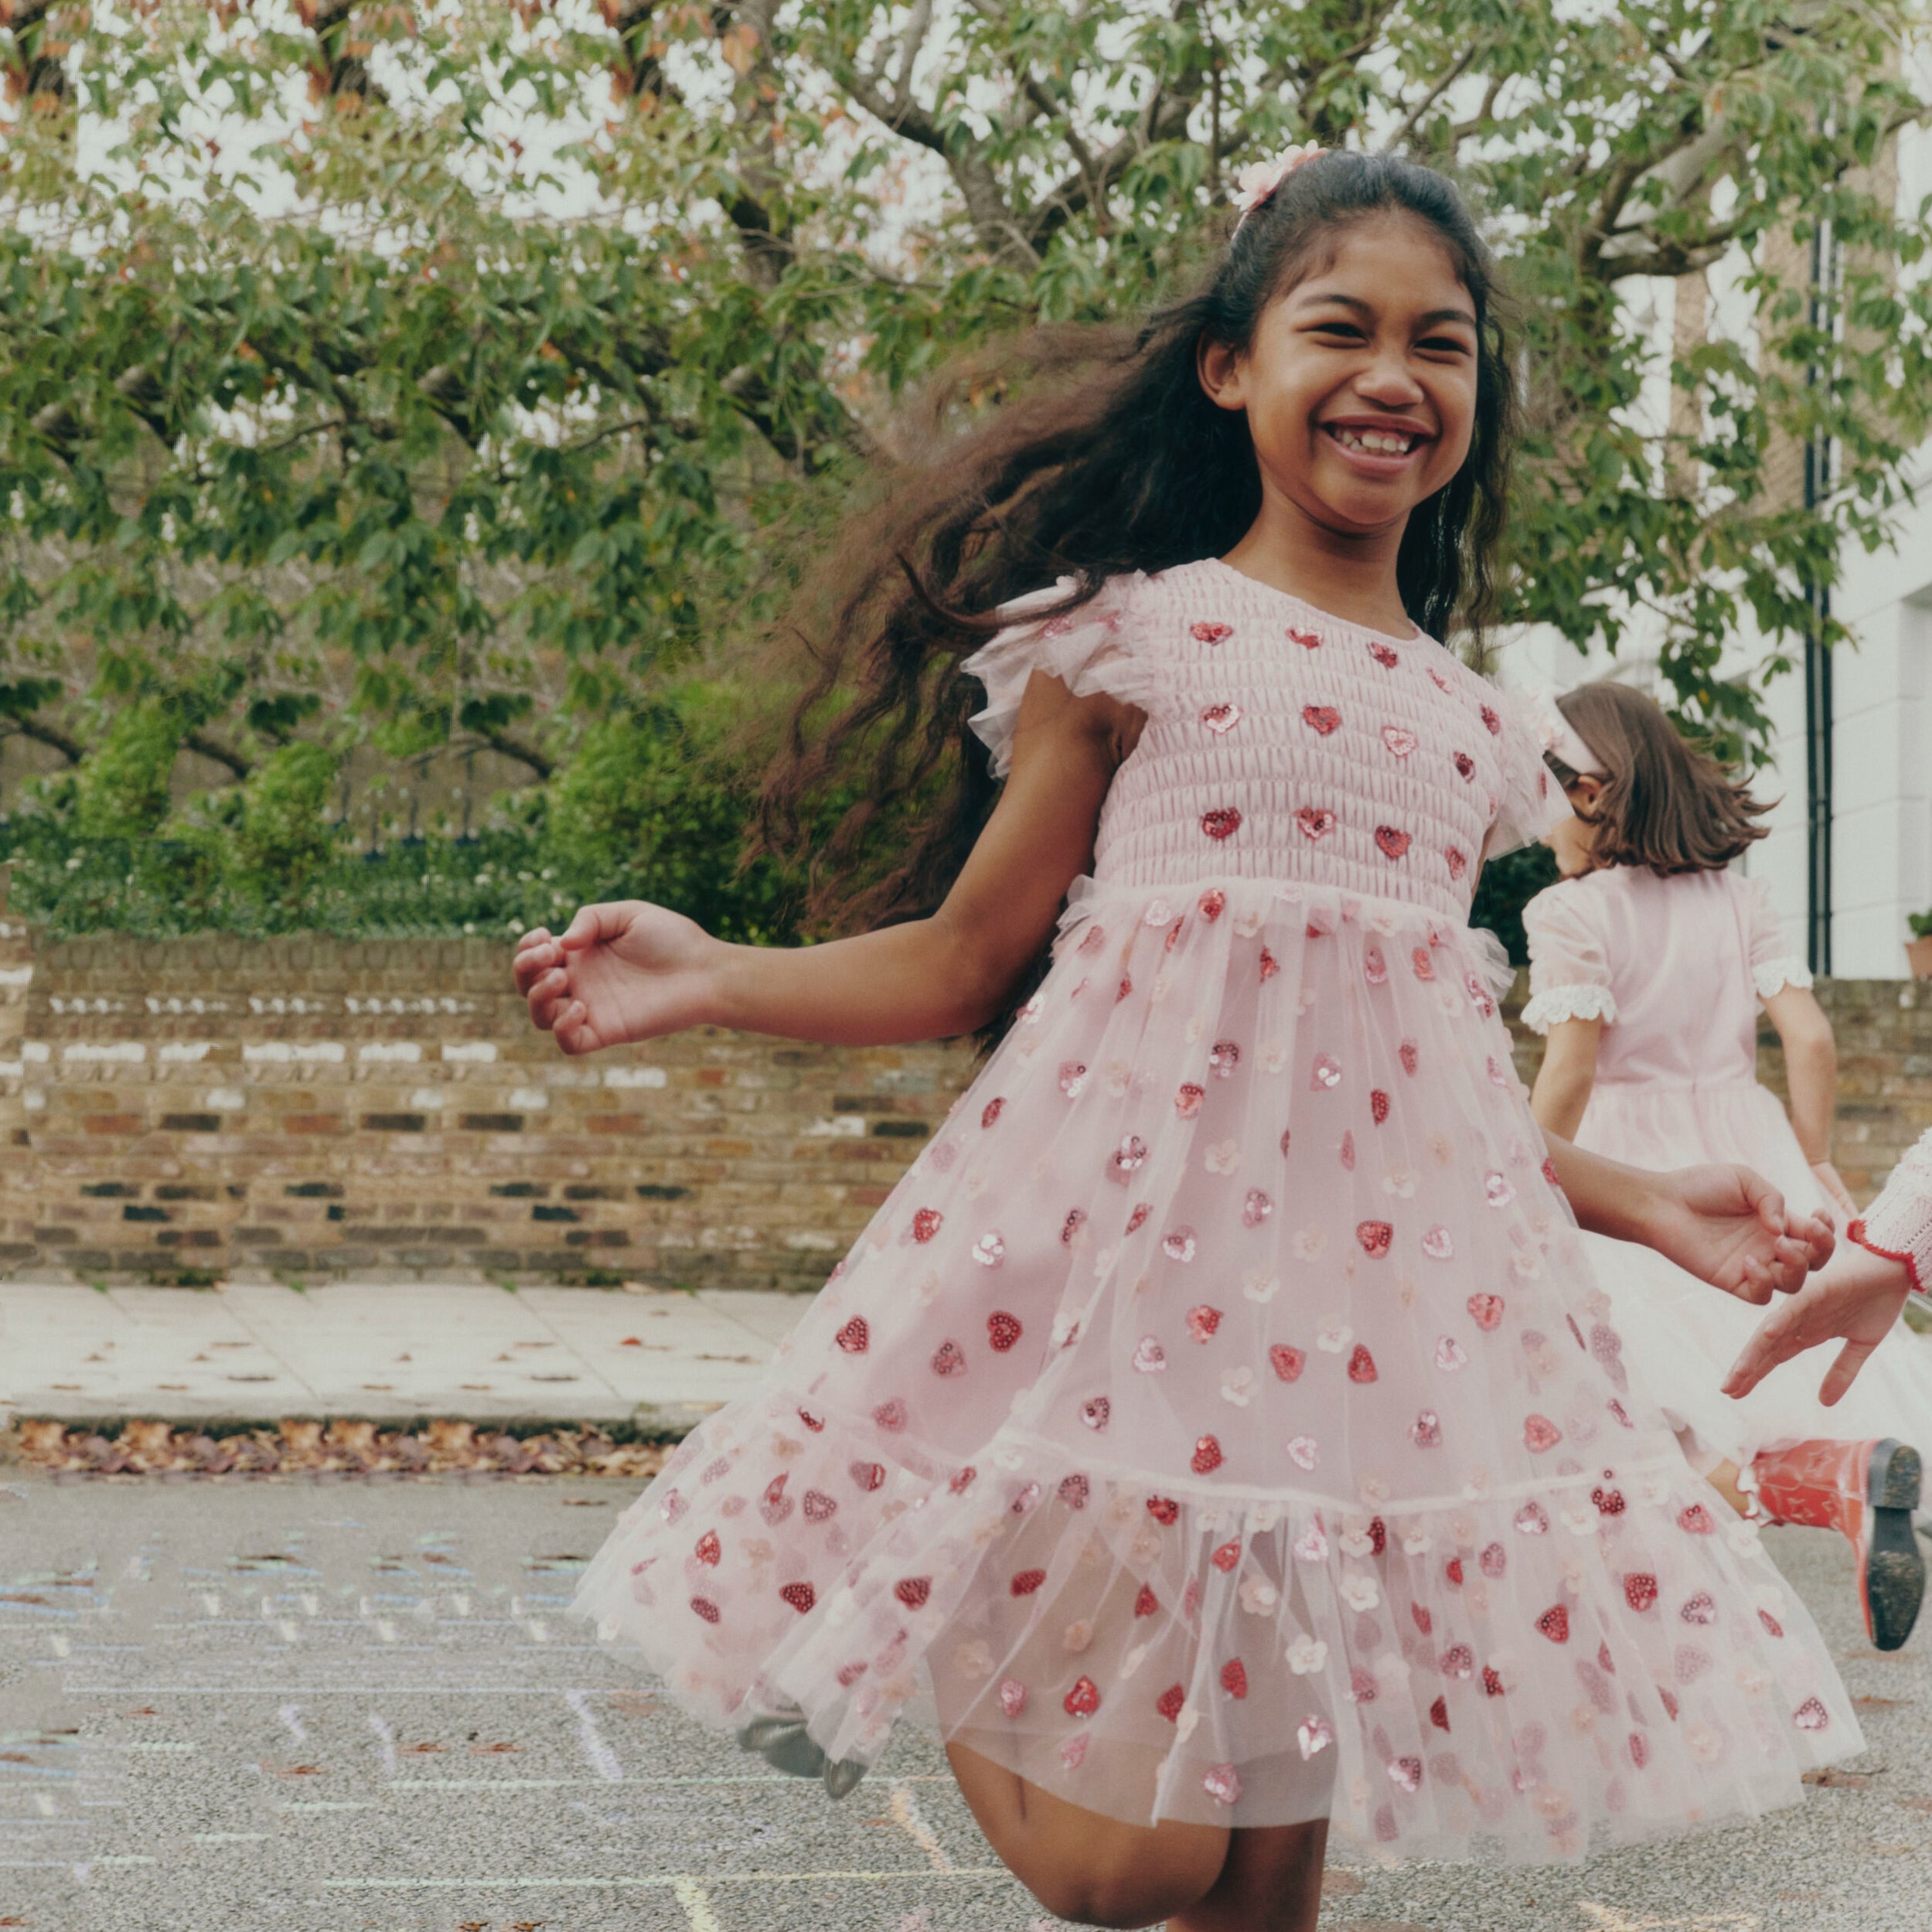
point(391, 394)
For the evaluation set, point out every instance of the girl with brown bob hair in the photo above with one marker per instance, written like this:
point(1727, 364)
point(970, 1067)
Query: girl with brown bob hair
point(1649, 964)
point(1179, 1437)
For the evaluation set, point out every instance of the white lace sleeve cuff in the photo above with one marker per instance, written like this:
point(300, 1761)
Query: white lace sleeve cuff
point(1899, 1224)
point(1569, 1002)
point(1775, 975)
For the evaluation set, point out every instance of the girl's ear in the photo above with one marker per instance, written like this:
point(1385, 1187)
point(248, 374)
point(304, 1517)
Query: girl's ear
point(1584, 795)
point(1222, 369)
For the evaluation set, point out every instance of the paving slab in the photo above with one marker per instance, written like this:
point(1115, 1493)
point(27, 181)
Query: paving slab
point(388, 1352)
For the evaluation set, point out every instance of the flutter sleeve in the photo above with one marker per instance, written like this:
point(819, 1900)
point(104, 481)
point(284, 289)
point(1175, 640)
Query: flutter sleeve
point(1898, 1224)
point(1569, 975)
point(1091, 649)
point(1773, 965)
point(1533, 801)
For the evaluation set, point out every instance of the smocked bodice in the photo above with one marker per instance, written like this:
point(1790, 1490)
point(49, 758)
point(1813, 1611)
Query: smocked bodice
point(1281, 742)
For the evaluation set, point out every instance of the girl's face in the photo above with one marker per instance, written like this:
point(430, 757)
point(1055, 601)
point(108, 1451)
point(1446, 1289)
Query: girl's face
point(1359, 384)
point(1573, 839)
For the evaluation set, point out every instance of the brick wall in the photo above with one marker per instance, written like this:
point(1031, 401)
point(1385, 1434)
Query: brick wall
point(304, 1108)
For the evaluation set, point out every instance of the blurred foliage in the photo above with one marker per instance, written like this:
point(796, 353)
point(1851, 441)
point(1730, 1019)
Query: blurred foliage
point(394, 389)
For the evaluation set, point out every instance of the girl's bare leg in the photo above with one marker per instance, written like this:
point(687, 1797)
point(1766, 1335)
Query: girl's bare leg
point(1271, 1882)
point(1723, 1479)
point(1095, 1870)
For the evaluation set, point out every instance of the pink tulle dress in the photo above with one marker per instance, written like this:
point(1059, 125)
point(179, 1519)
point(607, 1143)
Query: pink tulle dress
point(1675, 968)
point(1220, 1421)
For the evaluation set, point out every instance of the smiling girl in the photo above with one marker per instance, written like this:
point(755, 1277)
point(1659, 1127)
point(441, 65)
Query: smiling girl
point(1217, 1431)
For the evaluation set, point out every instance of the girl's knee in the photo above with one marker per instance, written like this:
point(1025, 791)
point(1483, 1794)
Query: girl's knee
point(1132, 1886)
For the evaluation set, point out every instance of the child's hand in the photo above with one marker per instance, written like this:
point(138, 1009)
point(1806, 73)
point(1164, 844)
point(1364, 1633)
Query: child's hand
point(1856, 1299)
point(1728, 1226)
point(1835, 1191)
point(627, 971)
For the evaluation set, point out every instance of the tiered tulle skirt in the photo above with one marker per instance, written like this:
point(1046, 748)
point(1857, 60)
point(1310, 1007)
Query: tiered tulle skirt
point(1219, 1422)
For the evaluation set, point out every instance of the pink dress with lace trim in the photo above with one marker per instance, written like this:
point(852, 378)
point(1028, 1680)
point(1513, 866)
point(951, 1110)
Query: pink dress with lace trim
point(1219, 1421)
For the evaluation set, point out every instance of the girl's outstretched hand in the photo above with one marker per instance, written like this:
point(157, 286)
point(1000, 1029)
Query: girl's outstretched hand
point(1728, 1226)
point(625, 971)
point(1856, 1300)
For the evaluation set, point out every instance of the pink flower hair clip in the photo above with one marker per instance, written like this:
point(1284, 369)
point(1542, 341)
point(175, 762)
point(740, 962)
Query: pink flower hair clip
point(1260, 179)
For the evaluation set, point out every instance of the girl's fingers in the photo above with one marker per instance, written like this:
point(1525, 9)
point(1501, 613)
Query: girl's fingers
point(1843, 1372)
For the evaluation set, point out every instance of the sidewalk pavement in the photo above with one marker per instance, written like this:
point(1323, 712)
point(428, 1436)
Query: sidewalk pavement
point(657, 1359)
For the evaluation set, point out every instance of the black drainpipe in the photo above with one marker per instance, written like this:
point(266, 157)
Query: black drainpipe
point(1818, 660)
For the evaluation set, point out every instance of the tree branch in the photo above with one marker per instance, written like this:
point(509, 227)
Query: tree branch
point(209, 747)
point(1450, 75)
point(71, 749)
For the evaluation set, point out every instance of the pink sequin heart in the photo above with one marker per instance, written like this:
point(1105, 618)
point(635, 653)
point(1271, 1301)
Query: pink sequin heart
point(1491, 723)
point(801, 1597)
point(1256, 1209)
point(1496, 1190)
point(1096, 1412)
point(1486, 1311)
point(1530, 1521)
point(709, 1550)
point(1187, 1101)
point(1540, 1433)
point(775, 1506)
point(1700, 1609)
point(1073, 1077)
point(990, 1249)
point(1003, 1330)
point(1554, 1623)
point(1410, 1055)
point(1212, 904)
point(1223, 823)
point(1073, 1491)
point(1222, 1784)
point(1227, 1555)
point(1640, 1590)
point(1223, 1059)
point(1180, 1244)
point(855, 1337)
point(890, 1415)
point(1315, 821)
point(1348, 1151)
point(1362, 1365)
point(1465, 765)
point(1083, 1700)
point(1207, 1457)
point(1126, 1158)
point(1012, 1696)
point(1458, 861)
point(1286, 1362)
point(1313, 1734)
point(1424, 966)
point(1811, 1715)
point(1400, 740)
point(1426, 1432)
point(1450, 1355)
point(1303, 1453)
point(1221, 719)
point(1148, 1356)
point(1375, 1237)
point(1375, 967)
point(926, 1223)
point(1323, 718)
point(1208, 632)
point(1383, 656)
point(1327, 1072)
point(1308, 640)
point(1438, 1245)
point(1392, 843)
point(1203, 1321)
point(818, 1507)
point(1405, 1772)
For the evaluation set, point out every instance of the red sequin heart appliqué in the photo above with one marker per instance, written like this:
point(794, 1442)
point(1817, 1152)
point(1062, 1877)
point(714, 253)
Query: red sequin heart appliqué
point(855, 1337)
point(1392, 843)
point(1223, 823)
point(1221, 719)
point(1205, 632)
point(1316, 821)
point(1323, 718)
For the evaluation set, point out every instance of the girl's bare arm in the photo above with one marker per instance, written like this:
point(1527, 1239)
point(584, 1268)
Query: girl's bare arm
point(1811, 1073)
point(633, 971)
point(1568, 1071)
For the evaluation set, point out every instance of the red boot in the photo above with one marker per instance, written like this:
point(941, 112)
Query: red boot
point(1866, 1491)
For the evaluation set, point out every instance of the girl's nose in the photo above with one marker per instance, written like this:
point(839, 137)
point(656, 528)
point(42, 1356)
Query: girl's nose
point(1388, 381)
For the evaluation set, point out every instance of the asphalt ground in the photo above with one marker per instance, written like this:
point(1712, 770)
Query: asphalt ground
point(355, 1705)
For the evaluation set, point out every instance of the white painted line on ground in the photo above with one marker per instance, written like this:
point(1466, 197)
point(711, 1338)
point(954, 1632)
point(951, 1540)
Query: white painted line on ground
point(658, 1880)
point(697, 1905)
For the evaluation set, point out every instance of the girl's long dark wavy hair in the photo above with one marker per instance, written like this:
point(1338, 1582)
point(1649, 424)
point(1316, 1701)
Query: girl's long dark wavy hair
point(1110, 459)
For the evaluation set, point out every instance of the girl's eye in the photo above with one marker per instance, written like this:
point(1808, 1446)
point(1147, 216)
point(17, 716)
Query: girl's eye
point(1445, 344)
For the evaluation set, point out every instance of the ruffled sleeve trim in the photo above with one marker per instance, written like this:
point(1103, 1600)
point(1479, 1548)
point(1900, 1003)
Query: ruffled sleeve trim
point(1569, 1002)
point(1898, 1224)
point(1533, 801)
point(1773, 976)
point(1092, 649)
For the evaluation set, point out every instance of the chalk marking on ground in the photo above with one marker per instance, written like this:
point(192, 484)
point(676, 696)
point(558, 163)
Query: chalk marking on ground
point(907, 1815)
point(697, 1903)
point(660, 1880)
point(603, 1759)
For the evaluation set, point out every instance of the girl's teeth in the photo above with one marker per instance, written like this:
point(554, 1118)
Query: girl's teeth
point(1374, 442)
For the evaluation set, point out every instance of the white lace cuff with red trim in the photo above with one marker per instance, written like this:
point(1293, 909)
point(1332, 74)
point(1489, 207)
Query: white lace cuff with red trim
point(1898, 1224)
